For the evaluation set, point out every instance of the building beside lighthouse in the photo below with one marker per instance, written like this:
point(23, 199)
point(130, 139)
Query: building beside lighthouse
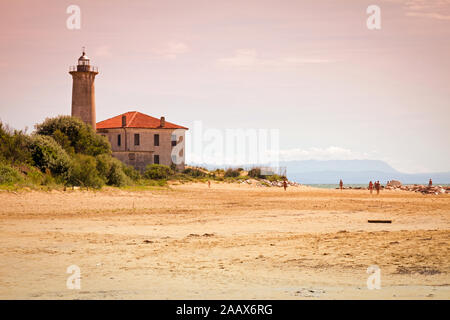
point(136, 139)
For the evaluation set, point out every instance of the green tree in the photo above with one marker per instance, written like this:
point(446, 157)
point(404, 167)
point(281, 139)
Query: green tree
point(48, 154)
point(73, 132)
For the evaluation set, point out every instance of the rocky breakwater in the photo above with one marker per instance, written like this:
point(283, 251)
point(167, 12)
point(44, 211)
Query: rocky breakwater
point(397, 185)
point(268, 183)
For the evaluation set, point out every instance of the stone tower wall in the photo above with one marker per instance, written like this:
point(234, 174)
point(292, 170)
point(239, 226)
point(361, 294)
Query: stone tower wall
point(83, 96)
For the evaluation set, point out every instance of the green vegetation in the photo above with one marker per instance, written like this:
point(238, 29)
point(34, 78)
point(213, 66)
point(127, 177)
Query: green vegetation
point(9, 175)
point(194, 172)
point(13, 146)
point(255, 173)
point(74, 135)
point(65, 152)
point(47, 154)
point(275, 177)
point(230, 173)
point(157, 172)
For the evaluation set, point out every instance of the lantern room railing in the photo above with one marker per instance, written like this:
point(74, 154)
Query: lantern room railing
point(84, 68)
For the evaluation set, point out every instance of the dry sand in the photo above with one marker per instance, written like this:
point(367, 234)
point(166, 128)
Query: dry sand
point(228, 242)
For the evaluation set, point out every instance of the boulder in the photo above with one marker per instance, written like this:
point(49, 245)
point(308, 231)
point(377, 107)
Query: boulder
point(394, 183)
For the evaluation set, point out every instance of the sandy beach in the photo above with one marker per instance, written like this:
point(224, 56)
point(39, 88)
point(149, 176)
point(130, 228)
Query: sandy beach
point(228, 242)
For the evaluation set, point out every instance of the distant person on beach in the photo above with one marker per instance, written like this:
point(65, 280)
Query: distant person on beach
point(209, 184)
point(341, 184)
point(430, 183)
point(371, 187)
point(377, 187)
point(285, 184)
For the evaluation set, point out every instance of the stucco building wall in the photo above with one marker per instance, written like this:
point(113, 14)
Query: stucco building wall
point(143, 154)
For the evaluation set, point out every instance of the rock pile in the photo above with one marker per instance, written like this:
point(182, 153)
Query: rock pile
point(267, 183)
point(421, 188)
point(394, 184)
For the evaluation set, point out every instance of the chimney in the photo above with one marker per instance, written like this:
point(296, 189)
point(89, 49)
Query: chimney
point(124, 121)
point(163, 122)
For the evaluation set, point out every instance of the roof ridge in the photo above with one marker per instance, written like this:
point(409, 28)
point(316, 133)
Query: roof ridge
point(134, 116)
point(136, 119)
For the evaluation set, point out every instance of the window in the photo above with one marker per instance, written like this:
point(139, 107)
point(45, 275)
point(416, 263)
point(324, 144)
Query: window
point(174, 140)
point(156, 140)
point(156, 159)
point(119, 140)
point(136, 139)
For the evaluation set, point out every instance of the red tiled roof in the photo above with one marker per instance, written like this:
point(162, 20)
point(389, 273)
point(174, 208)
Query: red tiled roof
point(136, 120)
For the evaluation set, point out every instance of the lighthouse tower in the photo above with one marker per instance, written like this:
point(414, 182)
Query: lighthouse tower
point(83, 90)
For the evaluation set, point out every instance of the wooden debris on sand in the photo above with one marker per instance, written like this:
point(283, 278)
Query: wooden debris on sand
point(379, 221)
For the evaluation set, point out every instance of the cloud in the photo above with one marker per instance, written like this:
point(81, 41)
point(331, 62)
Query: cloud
point(431, 15)
point(329, 153)
point(249, 58)
point(172, 50)
point(431, 9)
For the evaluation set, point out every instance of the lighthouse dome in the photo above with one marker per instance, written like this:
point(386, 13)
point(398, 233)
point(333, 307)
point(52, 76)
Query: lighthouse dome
point(83, 57)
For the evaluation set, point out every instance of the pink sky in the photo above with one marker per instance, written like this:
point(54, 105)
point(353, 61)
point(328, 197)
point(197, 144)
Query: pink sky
point(310, 68)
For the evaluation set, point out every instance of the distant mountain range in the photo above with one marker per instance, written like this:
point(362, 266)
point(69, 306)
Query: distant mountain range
point(350, 171)
point(355, 172)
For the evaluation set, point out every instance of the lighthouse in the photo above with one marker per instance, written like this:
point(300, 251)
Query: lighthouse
point(83, 90)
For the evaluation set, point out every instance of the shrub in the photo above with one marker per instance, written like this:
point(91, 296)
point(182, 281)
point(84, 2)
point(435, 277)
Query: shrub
point(49, 180)
point(194, 172)
point(116, 175)
point(111, 171)
point(13, 146)
point(255, 173)
point(73, 134)
point(83, 172)
point(104, 163)
point(131, 172)
point(275, 177)
point(9, 175)
point(157, 171)
point(35, 176)
point(230, 173)
point(63, 141)
point(46, 153)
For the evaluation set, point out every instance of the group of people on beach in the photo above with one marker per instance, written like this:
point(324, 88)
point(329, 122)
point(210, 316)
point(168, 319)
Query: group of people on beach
point(377, 186)
point(372, 185)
